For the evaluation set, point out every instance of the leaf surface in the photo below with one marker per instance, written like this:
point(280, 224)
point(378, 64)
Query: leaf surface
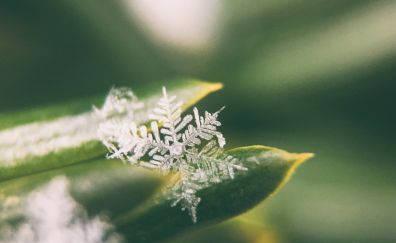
point(268, 170)
point(131, 198)
point(52, 137)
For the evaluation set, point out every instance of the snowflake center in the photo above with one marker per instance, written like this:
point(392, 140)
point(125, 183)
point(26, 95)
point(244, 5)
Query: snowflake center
point(176, 150)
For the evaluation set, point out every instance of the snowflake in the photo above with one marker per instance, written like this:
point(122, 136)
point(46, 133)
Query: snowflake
point(195, 151)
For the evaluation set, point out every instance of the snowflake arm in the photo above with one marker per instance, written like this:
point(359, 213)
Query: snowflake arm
point(168, 112)
point(206, 128)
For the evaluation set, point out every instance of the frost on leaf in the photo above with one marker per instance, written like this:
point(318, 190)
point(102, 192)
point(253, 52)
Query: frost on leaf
point(117, 112)
point(190, 145)
point(119, 102)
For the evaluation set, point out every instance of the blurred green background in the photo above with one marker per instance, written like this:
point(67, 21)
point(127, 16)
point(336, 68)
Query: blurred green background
point(305, 76)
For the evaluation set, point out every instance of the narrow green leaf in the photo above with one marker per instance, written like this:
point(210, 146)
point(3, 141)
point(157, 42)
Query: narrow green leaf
point(49, 138)
point(268, 170)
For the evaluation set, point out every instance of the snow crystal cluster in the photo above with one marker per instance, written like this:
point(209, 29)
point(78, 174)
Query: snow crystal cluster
point(190, 145)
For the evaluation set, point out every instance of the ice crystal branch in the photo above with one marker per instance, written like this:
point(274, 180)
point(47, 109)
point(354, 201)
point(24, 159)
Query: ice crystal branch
point(195, 151)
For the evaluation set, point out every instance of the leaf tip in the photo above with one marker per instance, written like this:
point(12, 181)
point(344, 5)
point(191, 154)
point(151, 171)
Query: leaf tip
point(295, 160)
point(205, 89)
point(300, 158)
point(212, 87)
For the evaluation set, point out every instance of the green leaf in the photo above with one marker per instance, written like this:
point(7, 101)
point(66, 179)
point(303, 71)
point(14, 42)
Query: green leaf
point(48, 138)
point(119, 190)
point(268, 170)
